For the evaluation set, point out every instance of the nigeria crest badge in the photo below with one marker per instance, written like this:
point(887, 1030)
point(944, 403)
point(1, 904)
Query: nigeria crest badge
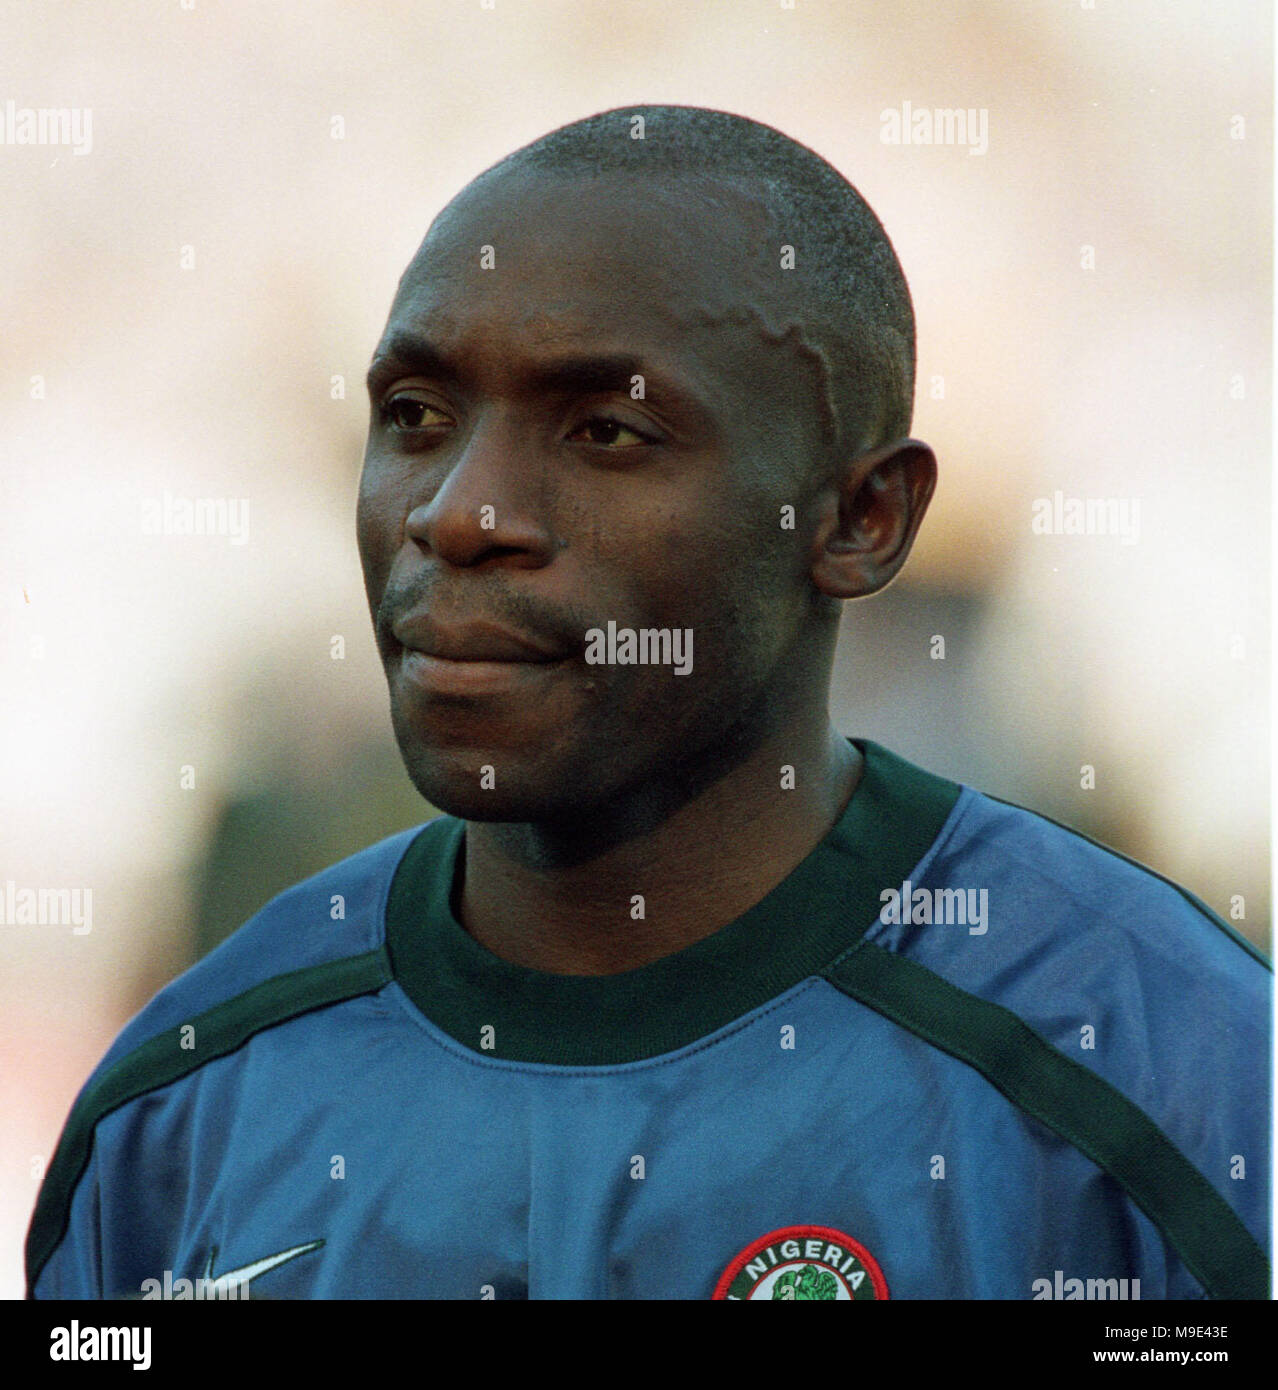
point(803, 1262)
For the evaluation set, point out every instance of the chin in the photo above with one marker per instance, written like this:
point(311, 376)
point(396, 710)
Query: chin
point(453, 782)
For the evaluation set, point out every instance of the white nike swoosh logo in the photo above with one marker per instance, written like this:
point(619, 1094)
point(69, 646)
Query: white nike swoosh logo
point(247, 1273)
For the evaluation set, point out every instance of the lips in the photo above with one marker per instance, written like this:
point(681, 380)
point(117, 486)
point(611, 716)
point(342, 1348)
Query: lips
point(474, 660)
point(475, 641)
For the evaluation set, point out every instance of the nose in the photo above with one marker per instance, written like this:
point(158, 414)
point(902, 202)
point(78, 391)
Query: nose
point(489, 506)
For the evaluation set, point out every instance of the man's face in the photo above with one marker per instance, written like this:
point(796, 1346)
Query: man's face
point(522, 486)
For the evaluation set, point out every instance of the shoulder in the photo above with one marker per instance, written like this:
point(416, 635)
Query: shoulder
point(317, 943)
point(1119, 965)
point(335, 916)
point(1081, 965)
point(1053, 891)
point(1046, 898)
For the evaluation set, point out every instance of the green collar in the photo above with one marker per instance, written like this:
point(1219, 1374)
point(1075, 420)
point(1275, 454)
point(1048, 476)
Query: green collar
point(811, 917)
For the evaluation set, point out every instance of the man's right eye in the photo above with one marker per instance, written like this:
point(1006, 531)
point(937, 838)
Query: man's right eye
point(409, 412)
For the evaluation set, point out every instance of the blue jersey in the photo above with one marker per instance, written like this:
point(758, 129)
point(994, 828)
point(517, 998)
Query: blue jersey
point(960, 1052)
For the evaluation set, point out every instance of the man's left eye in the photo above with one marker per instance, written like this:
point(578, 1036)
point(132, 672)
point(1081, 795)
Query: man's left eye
point(599, 429)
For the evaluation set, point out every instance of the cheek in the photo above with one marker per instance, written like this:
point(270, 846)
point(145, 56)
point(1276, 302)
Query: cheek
point(379, 520)
point(760, 585)
point(728, 574)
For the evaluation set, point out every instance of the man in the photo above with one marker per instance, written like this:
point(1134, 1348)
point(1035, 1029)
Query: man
point(685, 995)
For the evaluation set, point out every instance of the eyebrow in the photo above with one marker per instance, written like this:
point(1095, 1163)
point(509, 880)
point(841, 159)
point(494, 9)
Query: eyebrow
point(572, 374)
point(408, 352)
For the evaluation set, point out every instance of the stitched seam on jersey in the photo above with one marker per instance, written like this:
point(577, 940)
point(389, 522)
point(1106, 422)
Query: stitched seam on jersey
point(388, 882)
point(458, 1050)
point(1194, 901)
point(1083, 898)
point(901, 938)
point(1210, 1238)
point(962, 808)
point(159, 1062)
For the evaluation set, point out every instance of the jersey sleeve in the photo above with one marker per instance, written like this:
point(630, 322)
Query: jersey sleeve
point(74, 1270)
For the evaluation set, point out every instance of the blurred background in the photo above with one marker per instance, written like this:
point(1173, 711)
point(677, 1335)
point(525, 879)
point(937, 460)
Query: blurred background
point(190, 305)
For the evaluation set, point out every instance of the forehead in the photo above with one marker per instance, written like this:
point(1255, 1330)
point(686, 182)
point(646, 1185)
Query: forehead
point(684, 271)
point(624, 238)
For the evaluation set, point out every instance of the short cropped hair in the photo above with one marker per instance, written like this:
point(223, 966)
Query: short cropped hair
point(844, 259)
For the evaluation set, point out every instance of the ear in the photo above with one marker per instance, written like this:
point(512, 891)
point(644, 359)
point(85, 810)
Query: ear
point(869, 517)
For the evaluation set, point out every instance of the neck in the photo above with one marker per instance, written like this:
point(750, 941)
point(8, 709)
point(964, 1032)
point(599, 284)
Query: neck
point(538, 902)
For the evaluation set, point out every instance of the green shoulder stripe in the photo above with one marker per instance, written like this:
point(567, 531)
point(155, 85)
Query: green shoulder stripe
point(1092, 1115)
point(218, 1031)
